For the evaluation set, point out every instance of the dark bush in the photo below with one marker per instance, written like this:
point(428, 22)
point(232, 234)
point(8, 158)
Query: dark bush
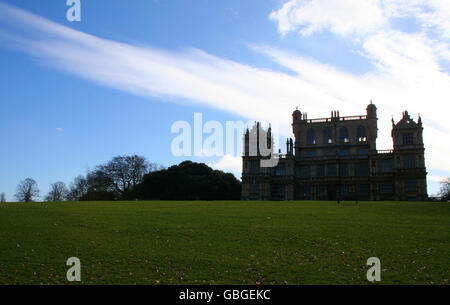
point(189, 181)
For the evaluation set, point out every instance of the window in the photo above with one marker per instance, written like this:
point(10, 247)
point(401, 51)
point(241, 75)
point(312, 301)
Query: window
point(385, 166)
point(331, 170)
point(410, 185)
point(254, 187)
point(304, 192)
point(310, 154)
point(386, 188)
point(343, 170)
point(362, 169)
point(280, 170)
point(362, 189)
point(327, 138)
point(361, 134)
point(320, 170)
point(254, 166)
point(409, 161)
point(362, 152)
point(343, 135)
point(344, 153)
point(305, 171)
point(330, 152)
point(311, 137)
point(408, 139)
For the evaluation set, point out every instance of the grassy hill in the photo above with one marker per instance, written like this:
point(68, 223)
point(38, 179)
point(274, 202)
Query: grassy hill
point(225, 242)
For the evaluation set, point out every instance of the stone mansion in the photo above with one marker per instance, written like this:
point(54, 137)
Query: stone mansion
point(335, 158)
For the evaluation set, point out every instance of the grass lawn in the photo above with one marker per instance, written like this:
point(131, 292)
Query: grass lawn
point(157, 242)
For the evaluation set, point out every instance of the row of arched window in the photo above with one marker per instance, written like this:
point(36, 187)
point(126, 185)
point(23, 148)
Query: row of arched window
point(344, 136)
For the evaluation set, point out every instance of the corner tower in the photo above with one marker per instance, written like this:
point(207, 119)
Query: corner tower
point(372, 126)
point(409, 160)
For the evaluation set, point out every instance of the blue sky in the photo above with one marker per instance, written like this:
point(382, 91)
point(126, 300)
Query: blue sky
point(75, 94)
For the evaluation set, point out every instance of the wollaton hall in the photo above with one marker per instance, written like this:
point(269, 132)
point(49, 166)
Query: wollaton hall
point(335, 158)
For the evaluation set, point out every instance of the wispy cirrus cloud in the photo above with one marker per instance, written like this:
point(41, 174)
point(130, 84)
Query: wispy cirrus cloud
point(189, 74)
point(406, 69)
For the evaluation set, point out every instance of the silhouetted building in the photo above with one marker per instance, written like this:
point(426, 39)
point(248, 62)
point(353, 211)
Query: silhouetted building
point(335, 158)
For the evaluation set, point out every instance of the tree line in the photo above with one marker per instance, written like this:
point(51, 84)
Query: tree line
point(134, 178)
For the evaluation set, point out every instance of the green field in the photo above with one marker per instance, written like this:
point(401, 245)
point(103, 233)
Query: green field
point(225, 242)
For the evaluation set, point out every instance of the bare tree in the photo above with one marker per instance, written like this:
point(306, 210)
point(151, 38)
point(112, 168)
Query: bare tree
point(2, 198)
point(125, 172)
point(27, 190)
point(78, 189)
point(445, 189)
point(116, 179)
point(58, 192)
point(100, 187)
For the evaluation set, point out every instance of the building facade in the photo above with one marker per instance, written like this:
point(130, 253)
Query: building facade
point(336, 158)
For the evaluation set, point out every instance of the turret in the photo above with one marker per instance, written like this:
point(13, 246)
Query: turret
point(257, 141)
point(371, 111)
point(296, 116)
point(289, 147)
point(297, 122)
point(407, 133)
point(409, 154)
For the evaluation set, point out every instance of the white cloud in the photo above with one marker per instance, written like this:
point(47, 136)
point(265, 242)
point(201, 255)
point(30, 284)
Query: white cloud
point(59, 129)
point(433, 15)
point(406, 70)
point(393, 86)
point(229, 163)
point(406, 66)
point(343, 17)
point(436, 178)
point(191, 74)
point(359, 17)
